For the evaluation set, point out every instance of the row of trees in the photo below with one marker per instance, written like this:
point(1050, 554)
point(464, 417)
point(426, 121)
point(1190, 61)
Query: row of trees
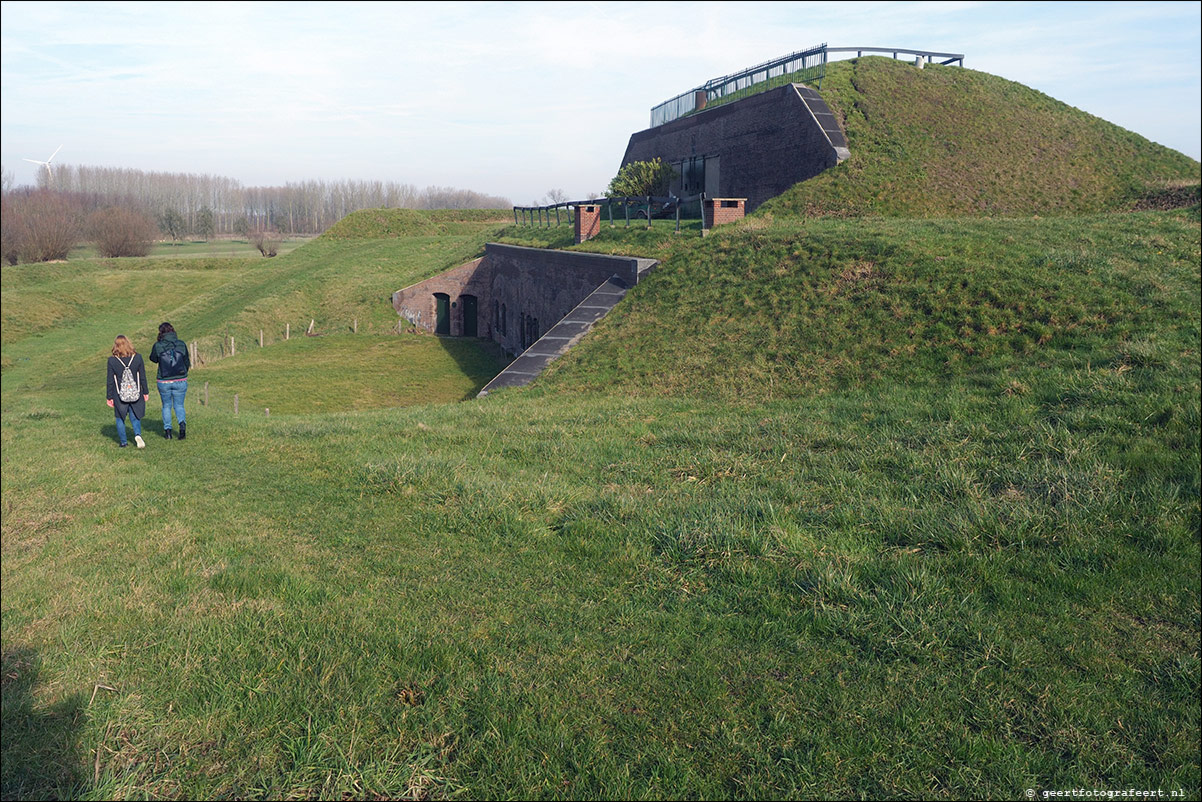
point(43, 225)
point(206, 205)
point(124, 211)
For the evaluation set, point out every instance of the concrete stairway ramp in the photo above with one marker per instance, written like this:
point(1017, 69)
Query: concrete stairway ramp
point(562, 336)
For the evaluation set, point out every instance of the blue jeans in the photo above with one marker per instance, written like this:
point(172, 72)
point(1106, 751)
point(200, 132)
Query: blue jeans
point(121, 426)
point(173, 394)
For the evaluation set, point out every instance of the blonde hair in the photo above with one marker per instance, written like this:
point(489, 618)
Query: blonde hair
point(123, 347)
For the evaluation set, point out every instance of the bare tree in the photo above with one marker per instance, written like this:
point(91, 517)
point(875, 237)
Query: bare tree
point(172, 224)
point(302, 207)
point(556, 196)
point(118, 231)
point(205, 223)
point(266, 241)
point(46, 225)
point(12, 225)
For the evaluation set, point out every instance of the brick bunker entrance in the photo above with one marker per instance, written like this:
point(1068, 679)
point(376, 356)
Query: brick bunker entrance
point(535, 303)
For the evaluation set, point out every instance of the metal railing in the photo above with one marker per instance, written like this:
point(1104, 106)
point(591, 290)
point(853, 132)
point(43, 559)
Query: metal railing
point(929, 55)
point(643, 207)
point(809, 63)
point(805, 66)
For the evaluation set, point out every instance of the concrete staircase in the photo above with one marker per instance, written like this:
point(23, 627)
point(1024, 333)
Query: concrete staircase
point(562, 336)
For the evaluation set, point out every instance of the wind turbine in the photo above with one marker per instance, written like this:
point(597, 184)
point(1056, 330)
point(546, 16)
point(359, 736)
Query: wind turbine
point(46, 163)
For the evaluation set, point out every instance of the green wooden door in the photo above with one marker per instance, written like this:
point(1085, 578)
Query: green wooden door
point(468, 304)
point(442, 313)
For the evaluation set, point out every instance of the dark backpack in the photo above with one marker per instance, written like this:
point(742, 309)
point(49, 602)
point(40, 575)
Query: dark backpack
point(171, 360)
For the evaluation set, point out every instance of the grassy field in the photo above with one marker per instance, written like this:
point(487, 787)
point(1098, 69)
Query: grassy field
point(881, 503)
point(892, 509)
point(210, 249)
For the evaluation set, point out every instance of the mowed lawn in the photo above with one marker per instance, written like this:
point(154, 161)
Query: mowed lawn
point(934, 578)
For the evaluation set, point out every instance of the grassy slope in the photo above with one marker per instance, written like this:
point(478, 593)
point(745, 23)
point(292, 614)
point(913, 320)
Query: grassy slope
point(58, 320)
point(874, 508)
point(945, 140)
point(907, 509)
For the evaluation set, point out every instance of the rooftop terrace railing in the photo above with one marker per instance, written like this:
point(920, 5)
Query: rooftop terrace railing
point(806, 66)
point(642, 207)
point(810, 62)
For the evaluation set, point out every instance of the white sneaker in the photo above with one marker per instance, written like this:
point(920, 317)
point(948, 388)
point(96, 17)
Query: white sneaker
point(138, 439)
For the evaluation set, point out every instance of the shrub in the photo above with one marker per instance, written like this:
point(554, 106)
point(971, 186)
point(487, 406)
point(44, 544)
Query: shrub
point(40, 226)
point(641, 179)
point(118, 231)
point(11, 223)
point(172, 224)
point(268, 242)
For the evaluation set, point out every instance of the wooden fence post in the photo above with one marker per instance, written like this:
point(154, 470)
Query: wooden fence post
point(206, 394)
point(235, 403)
point(232, 351)
point(355, 327)
point(267, 411)
point(260, 338)
point(311, 322)
point(287, 330)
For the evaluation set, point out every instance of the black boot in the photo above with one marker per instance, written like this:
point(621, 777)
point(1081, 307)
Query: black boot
point(183, 431)
point(167, 433)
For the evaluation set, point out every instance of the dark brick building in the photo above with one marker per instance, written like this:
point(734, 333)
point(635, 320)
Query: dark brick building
point(513, 295)
point(754, 148)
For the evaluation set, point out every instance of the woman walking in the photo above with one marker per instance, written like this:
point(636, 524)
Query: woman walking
point(127, 390)
point(172, 379)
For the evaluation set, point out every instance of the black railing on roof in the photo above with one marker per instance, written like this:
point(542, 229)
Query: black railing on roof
point(809, 63)
point(642, 207)
point(804, 66)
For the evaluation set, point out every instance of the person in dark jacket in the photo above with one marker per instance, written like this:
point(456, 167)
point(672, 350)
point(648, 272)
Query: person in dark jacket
point(172, 380)
point(124, 356)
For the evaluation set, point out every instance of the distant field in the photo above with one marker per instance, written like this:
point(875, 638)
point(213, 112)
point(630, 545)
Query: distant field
point(211, 249)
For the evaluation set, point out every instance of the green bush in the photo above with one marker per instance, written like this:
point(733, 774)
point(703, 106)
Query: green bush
point(641, 179)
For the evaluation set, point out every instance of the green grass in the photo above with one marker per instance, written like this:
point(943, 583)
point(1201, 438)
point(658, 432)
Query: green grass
point(201, 249)
point(352, 372)
point(949, 141)
point(904, 508)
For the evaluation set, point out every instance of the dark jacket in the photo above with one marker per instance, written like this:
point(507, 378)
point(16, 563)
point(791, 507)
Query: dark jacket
point(115, 368)
point(171, 368)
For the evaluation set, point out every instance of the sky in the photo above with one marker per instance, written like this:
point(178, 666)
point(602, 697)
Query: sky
point(511, 99)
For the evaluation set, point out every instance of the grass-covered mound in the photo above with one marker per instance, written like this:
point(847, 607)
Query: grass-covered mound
point(390, 223)
point(949, 141)
point(337, 284)
point(343, 288)
point(795, 309)
point(902, 510)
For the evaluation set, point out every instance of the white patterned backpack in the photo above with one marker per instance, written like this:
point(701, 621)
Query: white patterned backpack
point(128, 389)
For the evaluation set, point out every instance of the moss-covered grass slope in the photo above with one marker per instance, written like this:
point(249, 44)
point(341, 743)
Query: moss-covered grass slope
point(951, 141)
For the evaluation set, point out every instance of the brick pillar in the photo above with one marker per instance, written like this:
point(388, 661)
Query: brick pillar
point(723, 210)
point(588, 221)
